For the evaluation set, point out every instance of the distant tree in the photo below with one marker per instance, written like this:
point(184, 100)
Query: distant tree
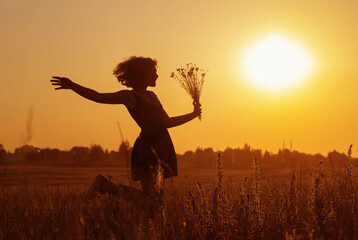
point(229, 157)
point(244, 157)
point(96, 153)
point(2, 155)
point(114, 157)
point(50, 155)
point(27, 154)
point(246, 147)
point(80, 154)
point(338, 159)
point(186, 159)
point(189, 155)
point(266, 156)
point(205, 157)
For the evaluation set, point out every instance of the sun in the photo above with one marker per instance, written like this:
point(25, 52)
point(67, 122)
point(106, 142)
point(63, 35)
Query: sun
point(276, 63)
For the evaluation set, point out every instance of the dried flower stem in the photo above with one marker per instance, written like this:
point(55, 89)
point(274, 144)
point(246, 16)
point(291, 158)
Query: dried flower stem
point(191, 78)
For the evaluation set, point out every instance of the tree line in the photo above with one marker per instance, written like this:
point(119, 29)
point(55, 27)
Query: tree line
point(232, 158)
point(76, 156)
point(243, 158)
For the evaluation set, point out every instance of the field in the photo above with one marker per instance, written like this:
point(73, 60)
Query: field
point(48, 203)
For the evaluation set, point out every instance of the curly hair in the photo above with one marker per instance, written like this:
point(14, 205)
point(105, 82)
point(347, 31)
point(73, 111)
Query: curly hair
point(130, 71)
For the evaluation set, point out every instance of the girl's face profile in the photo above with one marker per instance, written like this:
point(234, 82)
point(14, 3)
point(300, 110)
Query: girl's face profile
point(150, 77)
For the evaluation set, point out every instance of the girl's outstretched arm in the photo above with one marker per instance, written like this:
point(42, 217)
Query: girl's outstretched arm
point(121, 97)
point(179, 120)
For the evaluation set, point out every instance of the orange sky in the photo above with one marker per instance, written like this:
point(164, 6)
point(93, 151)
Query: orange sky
point(84, 40)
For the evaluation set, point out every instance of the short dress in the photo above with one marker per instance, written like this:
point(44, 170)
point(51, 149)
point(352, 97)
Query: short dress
point(153, 145)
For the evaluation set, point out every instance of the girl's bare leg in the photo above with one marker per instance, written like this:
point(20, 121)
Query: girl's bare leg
point(129, 194)
point(101, 185)
point(151, 195)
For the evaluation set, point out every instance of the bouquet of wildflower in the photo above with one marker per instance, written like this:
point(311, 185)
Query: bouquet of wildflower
point(191, 78)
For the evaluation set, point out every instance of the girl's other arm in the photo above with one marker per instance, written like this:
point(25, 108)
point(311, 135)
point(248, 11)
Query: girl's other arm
point(179, 120)
point(121, 97)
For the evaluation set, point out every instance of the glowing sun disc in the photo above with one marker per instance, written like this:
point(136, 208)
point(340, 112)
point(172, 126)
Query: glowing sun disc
point(276, 63)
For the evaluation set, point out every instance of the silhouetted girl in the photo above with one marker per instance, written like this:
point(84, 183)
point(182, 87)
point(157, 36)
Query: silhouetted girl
point(153, 156)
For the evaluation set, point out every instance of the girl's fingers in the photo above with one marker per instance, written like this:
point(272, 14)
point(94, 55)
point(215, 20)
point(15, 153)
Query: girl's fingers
point(56, 82)
point(58, 88)
point(60, 78)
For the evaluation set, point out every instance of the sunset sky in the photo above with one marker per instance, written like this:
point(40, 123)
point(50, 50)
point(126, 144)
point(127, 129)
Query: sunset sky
point(84, 40)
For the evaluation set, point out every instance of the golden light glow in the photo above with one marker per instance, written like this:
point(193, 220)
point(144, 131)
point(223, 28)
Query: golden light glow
point(276, 63)
point(85, 41)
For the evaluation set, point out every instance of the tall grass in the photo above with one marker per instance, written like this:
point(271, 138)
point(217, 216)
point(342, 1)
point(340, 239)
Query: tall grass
point(257, 208)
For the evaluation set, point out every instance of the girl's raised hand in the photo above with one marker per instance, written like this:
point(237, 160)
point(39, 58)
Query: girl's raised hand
point(197, 108)
point(62, 82)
